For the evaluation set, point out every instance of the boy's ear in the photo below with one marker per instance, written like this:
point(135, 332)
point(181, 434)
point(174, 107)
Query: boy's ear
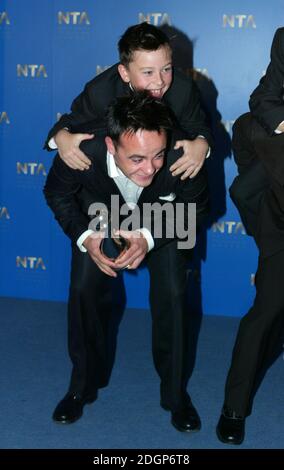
point(123, 72)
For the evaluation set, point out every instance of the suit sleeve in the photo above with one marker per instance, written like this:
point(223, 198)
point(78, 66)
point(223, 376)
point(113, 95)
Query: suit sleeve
point(190, 191)
point(60, 191)
point(90, 106)
point(83, 109)
point(195, 191)
point(193, 118)
point(266, 101)
point(242, 146)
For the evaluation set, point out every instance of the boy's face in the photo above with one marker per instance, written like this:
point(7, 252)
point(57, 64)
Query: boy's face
point(149, 70)
point(139, 156)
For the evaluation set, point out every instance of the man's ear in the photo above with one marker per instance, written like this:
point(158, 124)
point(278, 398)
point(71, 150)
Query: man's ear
point(123, 72)
point(110, 145)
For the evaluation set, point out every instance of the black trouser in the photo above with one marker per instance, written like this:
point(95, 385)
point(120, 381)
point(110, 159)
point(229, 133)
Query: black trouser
point(89, 319)
point(89, 323)
point(258, 334)
point(168, 302)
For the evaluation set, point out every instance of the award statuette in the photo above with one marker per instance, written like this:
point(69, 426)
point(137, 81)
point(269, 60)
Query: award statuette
point(112, 246)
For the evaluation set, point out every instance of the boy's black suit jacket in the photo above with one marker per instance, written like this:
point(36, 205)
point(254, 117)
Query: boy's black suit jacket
point(91, 105)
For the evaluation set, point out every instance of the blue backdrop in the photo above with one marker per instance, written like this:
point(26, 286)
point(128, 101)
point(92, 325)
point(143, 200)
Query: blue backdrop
point(49, 50)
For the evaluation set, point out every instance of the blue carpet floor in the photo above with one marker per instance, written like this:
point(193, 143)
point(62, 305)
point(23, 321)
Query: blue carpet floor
point(35, 372)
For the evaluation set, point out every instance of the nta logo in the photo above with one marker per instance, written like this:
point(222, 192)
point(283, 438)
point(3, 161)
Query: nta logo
point(4, 117)
point(156, 19)
point(4, 17)
point(238, 21)
point(31, 70)
point(229, 227)
point(4, 214)
point(101, 68)
point(31, 168)
point(30, 262)
point(73, 17)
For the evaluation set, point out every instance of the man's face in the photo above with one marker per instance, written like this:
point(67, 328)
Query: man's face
point(149, 70)
point(139, 156)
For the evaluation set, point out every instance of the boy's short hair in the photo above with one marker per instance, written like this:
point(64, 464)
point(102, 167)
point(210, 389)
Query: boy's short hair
point(143, 36)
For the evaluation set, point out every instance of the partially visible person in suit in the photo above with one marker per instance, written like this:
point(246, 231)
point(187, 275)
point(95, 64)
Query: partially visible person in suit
point(130, 163)
point(258, 194)
point(266, 101)
point(261, 204)
point(267, 107)
point(145, 63)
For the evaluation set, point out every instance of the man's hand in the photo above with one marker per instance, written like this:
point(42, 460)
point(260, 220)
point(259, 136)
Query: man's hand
point(68, 149)
point(194, 154)
point(135, 254)
point(92, 244)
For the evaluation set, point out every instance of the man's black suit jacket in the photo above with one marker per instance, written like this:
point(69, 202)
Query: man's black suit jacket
point(70, 192)
point(258, 191)
point(266, 101)
point(182, 97)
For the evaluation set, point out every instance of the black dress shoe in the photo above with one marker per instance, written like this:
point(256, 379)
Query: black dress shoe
point(231, 427)
point(186, 419)
point(71, 407)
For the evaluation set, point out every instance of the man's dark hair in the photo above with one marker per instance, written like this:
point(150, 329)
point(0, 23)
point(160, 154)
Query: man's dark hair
point(143, 36)
point(139, 111)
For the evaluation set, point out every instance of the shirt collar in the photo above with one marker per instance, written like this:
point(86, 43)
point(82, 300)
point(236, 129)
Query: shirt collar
point(112, 169)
